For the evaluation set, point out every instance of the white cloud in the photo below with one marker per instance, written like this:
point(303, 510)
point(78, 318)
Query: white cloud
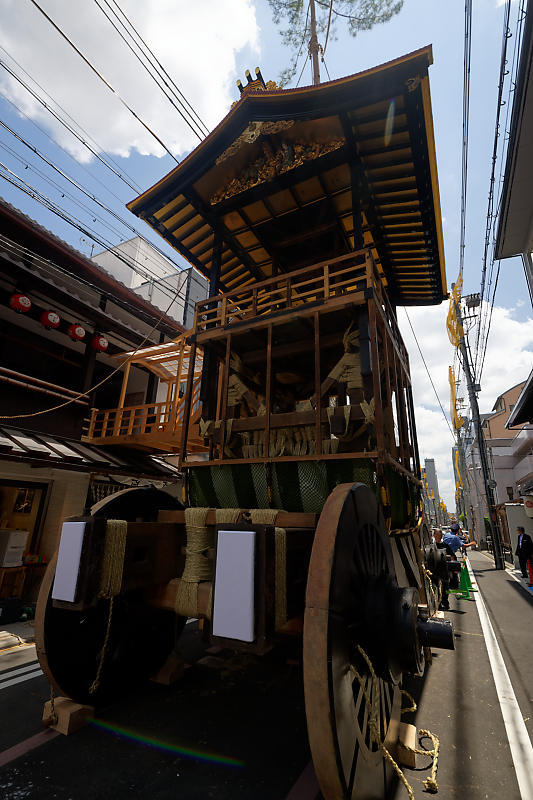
point(508, 361)
point(196, 42)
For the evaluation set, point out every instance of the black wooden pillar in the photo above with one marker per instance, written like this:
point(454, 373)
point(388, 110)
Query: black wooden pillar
point(357, 214)
point(208, 387)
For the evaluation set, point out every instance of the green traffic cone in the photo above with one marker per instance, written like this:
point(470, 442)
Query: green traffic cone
point(466, 590)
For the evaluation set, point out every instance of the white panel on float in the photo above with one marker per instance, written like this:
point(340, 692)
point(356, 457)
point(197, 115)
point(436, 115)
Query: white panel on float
point(233, 604)
point(68, 561)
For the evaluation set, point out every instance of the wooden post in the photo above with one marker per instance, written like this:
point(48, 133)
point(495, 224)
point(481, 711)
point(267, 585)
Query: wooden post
point(318, 409)
point(268, 391)
point(224, 403)
point(390, 415)
point(177, 381)
point(376, 374)
point(326, 281)
point(187, 404)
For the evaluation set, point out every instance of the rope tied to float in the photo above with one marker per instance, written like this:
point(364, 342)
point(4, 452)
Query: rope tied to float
point(373, 707)
point(110, 581)
point(197, 566)
point(267, 516)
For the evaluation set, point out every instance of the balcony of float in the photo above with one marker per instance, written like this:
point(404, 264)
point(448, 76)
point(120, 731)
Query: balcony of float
point(153, 426)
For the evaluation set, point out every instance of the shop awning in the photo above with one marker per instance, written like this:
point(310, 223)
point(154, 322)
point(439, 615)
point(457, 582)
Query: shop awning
point(58, 452)
point(279, 180)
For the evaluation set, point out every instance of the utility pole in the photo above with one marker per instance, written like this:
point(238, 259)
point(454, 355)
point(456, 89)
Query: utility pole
point(478, 430)
point(313, 44)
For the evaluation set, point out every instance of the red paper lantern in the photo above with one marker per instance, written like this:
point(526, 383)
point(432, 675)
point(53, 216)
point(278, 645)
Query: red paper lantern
point(99, 343)
point(76, 332)
point(20, 302)
point(50, 319)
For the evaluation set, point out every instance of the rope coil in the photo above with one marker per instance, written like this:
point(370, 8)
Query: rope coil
point(373, 706)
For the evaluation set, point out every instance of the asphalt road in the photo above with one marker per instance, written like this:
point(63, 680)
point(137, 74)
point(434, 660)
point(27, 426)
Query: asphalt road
point(252, 711)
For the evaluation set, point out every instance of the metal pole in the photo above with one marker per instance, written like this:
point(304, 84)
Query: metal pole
point(313, 44)
point(493, 520)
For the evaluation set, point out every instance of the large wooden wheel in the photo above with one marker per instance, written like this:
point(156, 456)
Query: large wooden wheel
point(354, 598)
point(70, 643)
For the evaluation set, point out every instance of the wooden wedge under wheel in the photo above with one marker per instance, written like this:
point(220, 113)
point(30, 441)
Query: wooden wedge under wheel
point(355, 598)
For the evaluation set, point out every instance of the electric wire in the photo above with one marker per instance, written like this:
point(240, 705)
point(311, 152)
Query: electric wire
point(161, 72)
point(327, 31)
point(91, 196)
point(486, 310)
point(490, 208)
point(66, 113)
point(147, 275)
point(190, 124)
point(45, 264)
point(100, 383)
point(31, 191)
point(66, 125)
point(56, 144)
point(428, 373)
point(102, 79)
point(466, 116)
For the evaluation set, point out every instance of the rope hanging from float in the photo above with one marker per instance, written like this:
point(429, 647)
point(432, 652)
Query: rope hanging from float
point(373, 705)
point(110, 581)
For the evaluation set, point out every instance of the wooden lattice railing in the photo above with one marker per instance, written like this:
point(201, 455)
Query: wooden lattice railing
point(320, 283)
point(161, 422)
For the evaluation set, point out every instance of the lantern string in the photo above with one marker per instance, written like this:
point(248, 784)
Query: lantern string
point(104, 380)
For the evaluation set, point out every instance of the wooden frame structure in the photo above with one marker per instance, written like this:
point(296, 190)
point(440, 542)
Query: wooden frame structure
point(152, 426)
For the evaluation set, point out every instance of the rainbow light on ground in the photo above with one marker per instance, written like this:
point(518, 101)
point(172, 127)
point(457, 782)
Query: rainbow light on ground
point(157, 744)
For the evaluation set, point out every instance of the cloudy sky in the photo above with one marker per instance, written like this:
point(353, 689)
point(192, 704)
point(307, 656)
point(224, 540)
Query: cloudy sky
point(205, 47)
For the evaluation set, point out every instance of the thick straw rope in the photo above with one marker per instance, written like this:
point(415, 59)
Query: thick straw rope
point(110, 581)
point(267, 516)
point(198, 567)
point(373, 706)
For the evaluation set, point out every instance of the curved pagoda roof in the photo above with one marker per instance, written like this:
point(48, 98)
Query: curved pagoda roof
point(279, 179)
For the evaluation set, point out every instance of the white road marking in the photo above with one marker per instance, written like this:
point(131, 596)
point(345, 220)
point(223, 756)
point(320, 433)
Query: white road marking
point(21, 678)
point(519, 741)
point(4, 676)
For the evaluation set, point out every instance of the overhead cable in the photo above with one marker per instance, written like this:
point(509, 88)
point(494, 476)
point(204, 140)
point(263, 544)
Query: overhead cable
point(91, 196)
point(191, 118)
point(103, 80)
point(66, 125)
point(428, 373)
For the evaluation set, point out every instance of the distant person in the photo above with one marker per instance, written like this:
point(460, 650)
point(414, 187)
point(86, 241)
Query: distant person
point(453, 539)
point(444, 603)
point(524, 549)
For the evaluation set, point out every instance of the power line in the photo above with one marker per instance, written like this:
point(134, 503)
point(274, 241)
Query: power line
point(198, 126)
point(31, 191)
point(104, 81)
point(466, 116)
point(490, 208)
point(65, 112)
point(67, 126)
point(45, 264)
point(104, 380)
point(88, 194)
point(428, 373)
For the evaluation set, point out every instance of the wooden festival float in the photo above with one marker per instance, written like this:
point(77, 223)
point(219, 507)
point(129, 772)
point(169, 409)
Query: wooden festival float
point(314, 213)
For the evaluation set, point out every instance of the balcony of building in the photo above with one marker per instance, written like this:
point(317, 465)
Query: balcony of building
point(152, 426)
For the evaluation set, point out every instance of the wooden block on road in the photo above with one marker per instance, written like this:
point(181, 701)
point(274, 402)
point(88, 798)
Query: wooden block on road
point(170, 672)
point(406, 745)
point(71, 716)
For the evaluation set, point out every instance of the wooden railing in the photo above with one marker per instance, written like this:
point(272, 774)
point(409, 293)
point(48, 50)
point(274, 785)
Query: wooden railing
point(160, 422)
point(319, 283)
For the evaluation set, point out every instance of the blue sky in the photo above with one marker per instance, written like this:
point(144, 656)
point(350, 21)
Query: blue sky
point(207, 48)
